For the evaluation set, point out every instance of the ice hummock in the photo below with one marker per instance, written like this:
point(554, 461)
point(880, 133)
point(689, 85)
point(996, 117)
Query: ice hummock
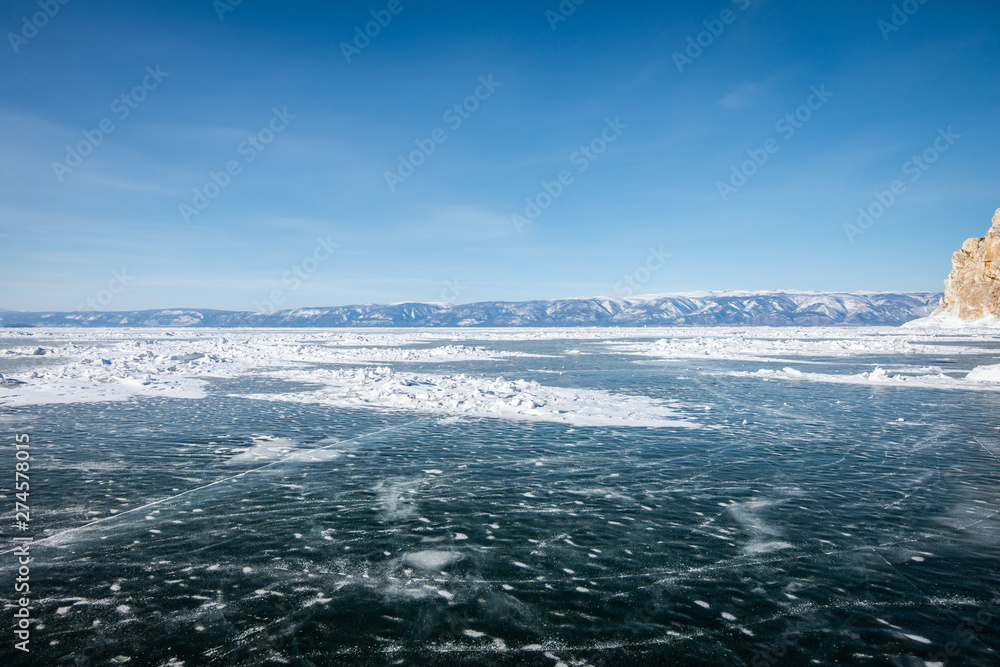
point(476, 397)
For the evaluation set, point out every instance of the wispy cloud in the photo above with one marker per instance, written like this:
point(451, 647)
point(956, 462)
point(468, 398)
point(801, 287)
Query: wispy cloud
point(132, 186)
point(744, 95)
point(458, 223)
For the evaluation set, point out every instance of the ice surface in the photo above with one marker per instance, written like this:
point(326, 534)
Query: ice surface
point(794, 518)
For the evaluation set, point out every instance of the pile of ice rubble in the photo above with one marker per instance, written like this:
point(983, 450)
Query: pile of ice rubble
point(70, 366)
point(117, 368)
point(178, 367)
point(462, 395)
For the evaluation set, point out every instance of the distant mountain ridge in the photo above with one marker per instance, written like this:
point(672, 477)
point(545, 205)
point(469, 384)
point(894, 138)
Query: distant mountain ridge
point(785, 308)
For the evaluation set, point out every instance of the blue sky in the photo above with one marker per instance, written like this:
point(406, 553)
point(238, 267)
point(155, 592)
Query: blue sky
point(312, 220)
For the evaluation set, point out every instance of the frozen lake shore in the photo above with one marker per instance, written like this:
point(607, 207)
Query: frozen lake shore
point(510, 497)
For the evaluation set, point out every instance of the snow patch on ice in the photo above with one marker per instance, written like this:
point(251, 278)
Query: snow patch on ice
point(272, 449)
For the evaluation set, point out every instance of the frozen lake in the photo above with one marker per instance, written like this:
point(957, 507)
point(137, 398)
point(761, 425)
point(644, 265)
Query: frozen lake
point(508, 497)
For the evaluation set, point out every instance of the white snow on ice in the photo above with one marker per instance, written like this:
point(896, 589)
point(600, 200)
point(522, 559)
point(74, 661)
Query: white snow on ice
point(272, 449)
point(105, 365)
point(982, 378)
point(764, 344)
point(949, 321)
point(470, 396)
point(93, 365)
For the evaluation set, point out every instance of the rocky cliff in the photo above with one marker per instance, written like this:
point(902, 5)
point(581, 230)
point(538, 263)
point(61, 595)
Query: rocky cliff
point(972, 291)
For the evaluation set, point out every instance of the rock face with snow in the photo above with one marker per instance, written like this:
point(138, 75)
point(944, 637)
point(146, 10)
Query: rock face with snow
point(972, 291)
point(789, 308)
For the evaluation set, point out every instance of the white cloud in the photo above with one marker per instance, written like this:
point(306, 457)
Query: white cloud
point(742, 96)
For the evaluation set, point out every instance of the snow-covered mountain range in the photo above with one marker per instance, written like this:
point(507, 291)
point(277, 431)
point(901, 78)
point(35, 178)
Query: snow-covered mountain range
point(788, 308)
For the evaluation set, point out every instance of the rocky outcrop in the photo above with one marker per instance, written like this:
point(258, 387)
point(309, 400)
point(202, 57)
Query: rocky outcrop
point(972, 291)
